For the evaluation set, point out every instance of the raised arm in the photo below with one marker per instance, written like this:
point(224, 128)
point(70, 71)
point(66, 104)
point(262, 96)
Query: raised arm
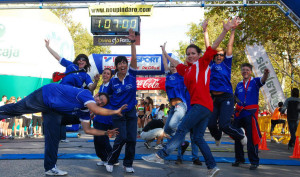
point(172, 60)
point(236, 21)
point(226, 27)
point(265, 76)
point(131, 37)
point(206, 37)
point(165, 62)
point(54, 54)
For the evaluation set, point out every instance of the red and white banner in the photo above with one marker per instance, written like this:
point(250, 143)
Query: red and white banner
point(150, 83)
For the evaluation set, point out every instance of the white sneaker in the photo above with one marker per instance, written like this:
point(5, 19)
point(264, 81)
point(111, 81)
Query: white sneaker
point(159, 146)
point(213, 172)
point(65, 141)
point(244, 140)
point(153, 158)
point(56, 172)
point(218, 142)
point(109, 168)
point(101, 163)
point(129, 169)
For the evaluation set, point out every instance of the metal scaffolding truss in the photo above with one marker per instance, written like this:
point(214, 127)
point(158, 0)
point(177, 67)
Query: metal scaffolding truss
point(56, 4)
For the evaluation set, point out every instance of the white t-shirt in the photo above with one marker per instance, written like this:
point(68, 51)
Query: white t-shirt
point(1, 103)
point(160, 114)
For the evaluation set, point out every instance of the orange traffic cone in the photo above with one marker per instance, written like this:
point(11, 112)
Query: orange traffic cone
point(296, 153)
point(263, 143)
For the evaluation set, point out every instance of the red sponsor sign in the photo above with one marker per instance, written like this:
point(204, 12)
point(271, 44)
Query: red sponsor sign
point(150, 83)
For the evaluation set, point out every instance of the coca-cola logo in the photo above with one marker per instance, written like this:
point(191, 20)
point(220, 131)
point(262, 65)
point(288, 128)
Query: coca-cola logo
point(148, 83)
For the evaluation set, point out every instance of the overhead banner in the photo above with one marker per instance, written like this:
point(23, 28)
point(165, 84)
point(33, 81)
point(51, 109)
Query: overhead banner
point(147, 64)
point(121, 9)
point(150, 83)
point(272, 90)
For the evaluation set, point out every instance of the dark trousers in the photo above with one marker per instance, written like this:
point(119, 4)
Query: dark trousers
point(101, 143)
point(221, 116)
point(127, 127)
point(63, 132)
point(246, 123)
point(293, 128)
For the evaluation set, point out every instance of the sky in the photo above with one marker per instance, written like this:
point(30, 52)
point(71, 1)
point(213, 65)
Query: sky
point(165, 25)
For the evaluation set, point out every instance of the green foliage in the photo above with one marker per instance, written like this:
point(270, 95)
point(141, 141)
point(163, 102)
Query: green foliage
point(83, 41)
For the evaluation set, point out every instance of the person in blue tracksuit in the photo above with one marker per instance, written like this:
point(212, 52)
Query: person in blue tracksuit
point(101, 143)
point(122, 89)
point(54, 101)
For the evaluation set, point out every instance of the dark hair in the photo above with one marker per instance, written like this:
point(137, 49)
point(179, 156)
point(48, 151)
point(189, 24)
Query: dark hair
point(87, 67)
point(280, 104)
point(111, 72)
point(118, 60)
point(162, 106)
point(246, 65)
point(195, 47)
point(106, 95)
point(150, 100)
point(4, 96)
point(295, 92)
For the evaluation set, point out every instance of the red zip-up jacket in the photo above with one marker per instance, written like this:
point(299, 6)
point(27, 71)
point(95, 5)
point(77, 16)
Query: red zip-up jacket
point(197, 77)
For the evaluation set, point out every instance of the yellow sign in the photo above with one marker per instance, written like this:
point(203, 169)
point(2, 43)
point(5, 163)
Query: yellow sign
point(140, 10)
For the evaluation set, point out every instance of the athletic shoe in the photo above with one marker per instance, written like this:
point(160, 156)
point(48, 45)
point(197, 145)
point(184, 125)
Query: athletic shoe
point(116, 164)
point(218, 142)
point(237, 164)
point(197, 162)
point(109, 168)
point(244, 140)
point(253, 167)
point(184, 147)
point(178, 162)
point(147, 145)
point(101, 163)
point(159, 146)
point(153, 158)
point(213, 172)
point(56, 172)
point(129, 169)
point(65, 141)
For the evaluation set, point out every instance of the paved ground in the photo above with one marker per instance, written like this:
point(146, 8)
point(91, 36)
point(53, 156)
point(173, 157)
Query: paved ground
point(87, 167)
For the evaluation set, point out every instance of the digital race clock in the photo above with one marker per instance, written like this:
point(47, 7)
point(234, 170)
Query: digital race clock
point(114, 25)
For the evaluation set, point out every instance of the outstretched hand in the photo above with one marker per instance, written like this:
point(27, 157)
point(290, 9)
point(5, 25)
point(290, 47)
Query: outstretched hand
point(204, 24)
point(229, 25)
point(163, 47)
point(119, 111)
point(97, 77)
point(47, 42)
point(131, 35)
point(266, 71)
point(236, 22)
point(112, 132)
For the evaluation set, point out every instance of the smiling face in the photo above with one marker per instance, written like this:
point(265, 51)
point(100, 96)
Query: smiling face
point(173, 68)
point(219, 57)
point(101, 101)
point(122, 67)
point(81, 63)
point(106, 75)
point(246, 72)
point(192, 55)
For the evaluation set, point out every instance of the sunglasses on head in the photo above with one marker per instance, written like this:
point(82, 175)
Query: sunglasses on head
point(222, 55)
point(82, 59)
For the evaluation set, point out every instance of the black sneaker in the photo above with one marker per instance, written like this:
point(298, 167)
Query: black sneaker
point(253, 167)
point(178, 162)
point(197, 162)
point(147, 145)
point(237, 164)
point(184, 147)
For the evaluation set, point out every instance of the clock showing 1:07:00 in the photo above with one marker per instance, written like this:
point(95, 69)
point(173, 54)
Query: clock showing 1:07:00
point(114, 24)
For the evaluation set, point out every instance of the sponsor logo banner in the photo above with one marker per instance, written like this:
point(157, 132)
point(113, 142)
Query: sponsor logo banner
point(150, 83)
point(272, 90)
point(114, 40)
point(137, 9)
